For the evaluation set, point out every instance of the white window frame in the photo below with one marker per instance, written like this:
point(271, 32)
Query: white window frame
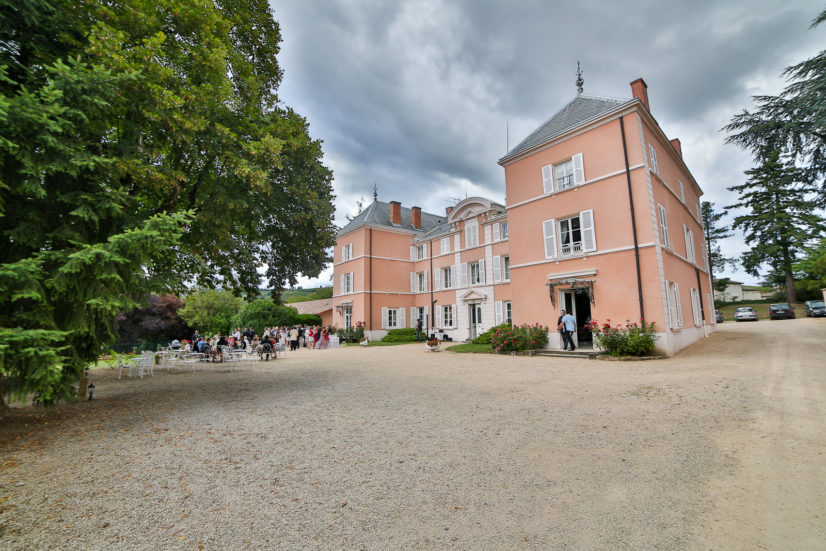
point(587, 238)
point(445, 245)
point(652, 153)
point(347, 252)
point(506, 268)
point(689, 244)
point(480, 272)
point(664, 226)
point(471, 234)
point(447, 315)
point(503, 230)
point(346, 284)
point(551, 174)
point(678, 304)
point(418, 282)
point(508, 311)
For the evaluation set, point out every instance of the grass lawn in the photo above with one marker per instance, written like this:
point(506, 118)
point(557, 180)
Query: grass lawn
point(762, 309)
point(470, 348)
point(380, 343)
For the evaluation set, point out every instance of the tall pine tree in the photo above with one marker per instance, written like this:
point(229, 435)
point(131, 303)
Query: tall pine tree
point(780, 218)
point(714, 232)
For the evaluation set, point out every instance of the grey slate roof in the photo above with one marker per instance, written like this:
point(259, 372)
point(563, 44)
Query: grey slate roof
point(378, 214)
point(579, 110)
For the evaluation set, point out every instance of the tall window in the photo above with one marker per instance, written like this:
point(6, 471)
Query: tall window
point(506, 268)
point(508, 312)
point(445, 245)
point(347, 252)
point(471, 235)
point(392, 317)
point(576, 234)
point(476, 273)
point(447, 277)
point(346, 283)
point(422, 282)
point(664, 226)
point(653, 154)
point(419, 252)
point(348, 317)
point(564, 175)
point(504, 230)
point(447, 315)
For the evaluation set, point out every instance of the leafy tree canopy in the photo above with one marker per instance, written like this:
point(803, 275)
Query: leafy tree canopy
point(793, 123)
point(210, 311)
point(265, 313)
point(714, 232)
point(142, 148)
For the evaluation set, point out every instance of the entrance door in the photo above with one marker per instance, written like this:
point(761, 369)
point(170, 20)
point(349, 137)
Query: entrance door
point(579, 306)
point(475, 317)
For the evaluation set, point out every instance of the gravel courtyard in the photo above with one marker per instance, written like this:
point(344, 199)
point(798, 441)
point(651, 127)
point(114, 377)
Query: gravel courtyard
point(721, 447)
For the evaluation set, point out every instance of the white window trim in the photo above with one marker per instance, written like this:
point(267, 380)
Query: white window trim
point(664, 227)
point(652, 153)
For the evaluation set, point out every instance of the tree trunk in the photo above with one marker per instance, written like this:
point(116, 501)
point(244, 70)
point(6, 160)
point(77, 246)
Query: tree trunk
point(791, 294)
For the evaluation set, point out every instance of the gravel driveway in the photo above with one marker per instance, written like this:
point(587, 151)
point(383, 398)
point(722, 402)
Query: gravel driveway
point(721, 447)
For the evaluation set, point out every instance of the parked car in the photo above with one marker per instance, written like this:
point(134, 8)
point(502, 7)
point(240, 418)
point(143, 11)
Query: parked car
point(718, 316)
point(815, 308)
point(781, 311)
point(745, 313)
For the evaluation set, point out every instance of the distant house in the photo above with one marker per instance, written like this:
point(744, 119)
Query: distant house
point(735, 291)
point(602, 218)
point(322, 308)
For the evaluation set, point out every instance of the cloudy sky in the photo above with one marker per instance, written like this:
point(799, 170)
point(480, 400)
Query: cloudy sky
point(421, 97)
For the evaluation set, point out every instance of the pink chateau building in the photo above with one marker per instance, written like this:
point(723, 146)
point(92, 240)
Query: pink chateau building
point(602, 219)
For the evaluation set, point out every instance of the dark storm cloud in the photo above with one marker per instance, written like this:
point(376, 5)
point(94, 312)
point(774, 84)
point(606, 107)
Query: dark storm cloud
point(416, 96)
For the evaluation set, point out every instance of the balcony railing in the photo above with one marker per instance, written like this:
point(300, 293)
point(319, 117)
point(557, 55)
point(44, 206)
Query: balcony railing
point(564, 182)
point(571, 248)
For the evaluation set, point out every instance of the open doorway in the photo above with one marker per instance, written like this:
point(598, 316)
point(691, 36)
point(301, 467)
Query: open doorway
point(578, 305)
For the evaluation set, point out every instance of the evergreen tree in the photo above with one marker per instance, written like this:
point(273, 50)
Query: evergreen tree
point(793, 123)
point(779, 221)
point(714, 232)
point(142, 145)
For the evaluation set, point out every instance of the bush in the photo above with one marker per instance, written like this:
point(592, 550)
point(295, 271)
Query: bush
point(484, 338)
point(516, 339)
point(400, 335)
point(631, 340)
point(352, 334)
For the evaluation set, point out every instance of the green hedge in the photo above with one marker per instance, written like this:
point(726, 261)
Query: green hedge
point(400, 335)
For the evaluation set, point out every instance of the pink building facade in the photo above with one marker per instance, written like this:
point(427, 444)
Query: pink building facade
point(602, 219)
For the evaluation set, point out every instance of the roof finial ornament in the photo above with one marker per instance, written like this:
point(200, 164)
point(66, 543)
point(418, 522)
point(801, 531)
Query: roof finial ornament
point(375, 192)
point(579, 81)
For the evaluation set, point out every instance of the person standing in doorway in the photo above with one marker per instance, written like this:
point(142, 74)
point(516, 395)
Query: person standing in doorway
point(567, 327)
point(419, 330)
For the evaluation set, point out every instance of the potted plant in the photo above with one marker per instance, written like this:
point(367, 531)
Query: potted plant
point(432, 344)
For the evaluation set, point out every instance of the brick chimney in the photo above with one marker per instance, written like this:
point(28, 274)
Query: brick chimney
point(416, 217)
point(639, 89)
point(676, 143)
point(448, 210)
point(395, 213)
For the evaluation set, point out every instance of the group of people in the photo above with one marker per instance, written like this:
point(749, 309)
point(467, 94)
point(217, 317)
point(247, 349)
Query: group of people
point(272, 339)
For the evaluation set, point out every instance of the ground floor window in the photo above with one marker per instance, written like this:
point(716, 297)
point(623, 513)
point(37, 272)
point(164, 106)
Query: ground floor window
point(508, 313)
point(348, 317)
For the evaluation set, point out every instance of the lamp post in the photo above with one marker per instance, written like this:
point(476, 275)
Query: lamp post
point(431, 317)
point(91, 388)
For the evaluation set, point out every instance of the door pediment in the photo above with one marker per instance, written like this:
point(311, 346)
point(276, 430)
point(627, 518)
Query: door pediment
point(473, 296)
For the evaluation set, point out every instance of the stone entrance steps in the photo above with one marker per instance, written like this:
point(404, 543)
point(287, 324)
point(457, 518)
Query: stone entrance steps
point(578, 353)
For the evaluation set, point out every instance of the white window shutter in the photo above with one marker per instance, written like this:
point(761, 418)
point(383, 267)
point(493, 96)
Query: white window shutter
point(682, 190)
point(481, 271)
point(384, 318)
point(498, 312)
point(464, 274)
point(664, 227)
point(497, 269)
point(342, 289)
point(653, 154)
point(487, 233)
point(425, 280)
point(579, 170)
point(548, 178)
point(457, 242)
point(424, 249)
point(438, 319)
point(496, 232)
point(412, 253)
point(453, 276)
point(413, 282)
point(549, 234)
point(687, 243)
point(401, 318)
point(679, 305)
point(436, 276)
point(669, 307)
point(413, 316)
point(586, 223)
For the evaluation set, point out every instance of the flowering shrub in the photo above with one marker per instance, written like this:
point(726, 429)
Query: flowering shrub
point(633, 339)
point(352, 334)
point(523, 337)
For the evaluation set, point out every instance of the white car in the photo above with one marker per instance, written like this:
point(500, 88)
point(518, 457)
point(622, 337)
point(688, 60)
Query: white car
point(746, 313)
